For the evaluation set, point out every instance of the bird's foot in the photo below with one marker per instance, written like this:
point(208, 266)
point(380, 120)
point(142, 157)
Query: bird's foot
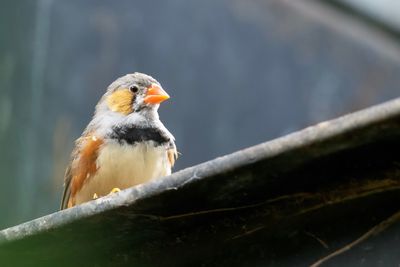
point(114, 190)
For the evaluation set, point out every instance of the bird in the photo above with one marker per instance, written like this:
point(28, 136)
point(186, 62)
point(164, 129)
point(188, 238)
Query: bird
point(125, 143)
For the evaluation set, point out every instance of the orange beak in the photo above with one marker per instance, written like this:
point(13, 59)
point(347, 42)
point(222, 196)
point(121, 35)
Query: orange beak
point(155, 95)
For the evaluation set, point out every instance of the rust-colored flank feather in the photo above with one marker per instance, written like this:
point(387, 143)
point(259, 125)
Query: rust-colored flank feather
point(172, 155)
point(85, 166)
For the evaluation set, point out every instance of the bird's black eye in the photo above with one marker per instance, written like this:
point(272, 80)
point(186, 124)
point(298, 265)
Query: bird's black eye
point(134, 89)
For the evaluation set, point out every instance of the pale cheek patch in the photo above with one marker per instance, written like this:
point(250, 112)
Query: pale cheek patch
point(121, 101)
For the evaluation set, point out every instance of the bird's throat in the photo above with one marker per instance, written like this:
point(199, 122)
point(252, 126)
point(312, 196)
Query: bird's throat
point(132, 134)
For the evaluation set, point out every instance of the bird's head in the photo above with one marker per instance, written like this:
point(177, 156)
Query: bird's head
point(132, 93)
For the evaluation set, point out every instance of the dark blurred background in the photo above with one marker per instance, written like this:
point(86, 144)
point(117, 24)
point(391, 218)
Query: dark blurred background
point(238, 72)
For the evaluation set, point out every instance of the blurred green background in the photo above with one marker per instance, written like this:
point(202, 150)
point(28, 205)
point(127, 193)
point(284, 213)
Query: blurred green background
point(238, 72)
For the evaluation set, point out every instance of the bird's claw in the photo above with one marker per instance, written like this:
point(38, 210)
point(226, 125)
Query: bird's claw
point(114, 190)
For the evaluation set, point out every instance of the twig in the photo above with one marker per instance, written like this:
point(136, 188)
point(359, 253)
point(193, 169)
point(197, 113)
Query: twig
point(204, 212)
point(322, 242)
point(249, 232)
point(377, 229)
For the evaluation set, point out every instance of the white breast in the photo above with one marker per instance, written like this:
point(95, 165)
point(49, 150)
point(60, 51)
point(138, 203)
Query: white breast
point(123, 166)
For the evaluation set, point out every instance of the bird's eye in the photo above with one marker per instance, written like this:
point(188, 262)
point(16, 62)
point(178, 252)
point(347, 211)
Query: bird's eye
point(134, 89)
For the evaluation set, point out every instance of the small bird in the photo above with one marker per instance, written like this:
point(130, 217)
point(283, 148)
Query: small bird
point(125, 143)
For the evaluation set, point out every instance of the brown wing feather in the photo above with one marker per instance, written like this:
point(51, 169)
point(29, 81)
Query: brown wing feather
point(67, 189)
point(82, 167)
